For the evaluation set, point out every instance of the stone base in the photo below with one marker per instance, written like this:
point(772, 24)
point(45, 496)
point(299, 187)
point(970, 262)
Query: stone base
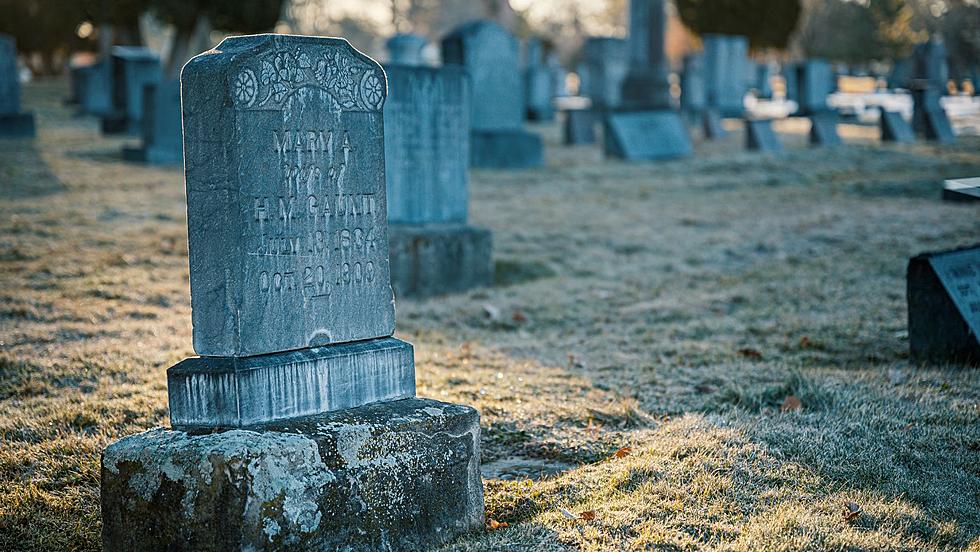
point(823, 130)
point(17, 125)
point(938, 127)
point(229, 392)
point(505, 149)
point(712, 126)
point(436, 259)
point(759, 136)
point(153, 156)
point(579, 127)
point(396, 476)
point(895, 129)
point(646, 135)
point(938, 331)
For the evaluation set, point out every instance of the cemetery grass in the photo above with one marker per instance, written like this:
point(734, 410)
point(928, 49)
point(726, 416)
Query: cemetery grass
point(630, 365)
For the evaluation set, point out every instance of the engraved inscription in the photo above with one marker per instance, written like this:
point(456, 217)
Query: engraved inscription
point(960, 273)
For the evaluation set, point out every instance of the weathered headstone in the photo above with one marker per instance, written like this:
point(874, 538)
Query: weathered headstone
point(579, 127)
point(95, 89)
point(292, 312)
point(944, 306)
point(711, 125)
point(132, 69)
point(725, 58)
point(538, 87)
point(646, 86)
point(489, 54)
point(13, 122)
point(432, 249)
point(894, 128)
point(759, 136)
point(694, 97)
point(406, 49)
point(816, 82)
point(605, 62)
point(823, 130)
point(962, 189)
point(162, 136)
point(646, 135)
point(929, 63)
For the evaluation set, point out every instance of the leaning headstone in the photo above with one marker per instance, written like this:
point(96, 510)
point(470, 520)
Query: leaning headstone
point(579, 127)
point(646, 135)
point(816, 81)
point(489, 54)
point(823, 130)
point(605, 62)
point(725, 58)
point(894, 128)
point(537, 84)
point(962, 189)
point(711, 125)
point(161, 128)
point(281, 439)
point(944, 306)
point(133, 68)
point(406, 49)
point(759, 136)
point(13, 122)
point(432, 249)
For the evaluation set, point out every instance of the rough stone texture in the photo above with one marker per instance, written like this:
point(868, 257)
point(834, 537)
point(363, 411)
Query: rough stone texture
point(894, 128)
point(162, 136)
point(395, 476)
point(605, 63)
point(427, 144)
point(646, 135)
point(405, 49)
point(646, 86)
point(511, 149)
point(94, 89)
point(579, 127)
point(823, 130)
point(286, 211)
point(759, 136)
point(132, 69)
point(436, 259)
point(13, 123)
point(216, 392)
point(711, 125)
point(816, 81)
point(962, 189)
point(944, 306)
point(694, 96)
point(725, 58)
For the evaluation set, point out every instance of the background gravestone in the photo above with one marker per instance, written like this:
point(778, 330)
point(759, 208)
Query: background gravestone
point(292, 314)
point(132, 69)
point(162, 137)
point(694, 96)
point(13, 123)
point(605, 62)
point(894, 128)
point(579, 127)
point(944, 306)
point(489, 53)
point(763, 80)
point(94, 89)
point(928, 116)
point(725, 59)
point(646, 136)
point(815, 80)
point(406, 49)
point(759, 136)
point(711, 125)
point(538, 83)
point(823, 130)
point(432, 249)
point(962, 189)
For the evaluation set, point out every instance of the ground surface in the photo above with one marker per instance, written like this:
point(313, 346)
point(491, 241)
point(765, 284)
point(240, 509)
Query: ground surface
point(667, 308)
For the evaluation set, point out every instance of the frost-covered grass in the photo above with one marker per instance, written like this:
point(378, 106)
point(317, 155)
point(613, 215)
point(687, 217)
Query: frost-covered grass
point(669, 308)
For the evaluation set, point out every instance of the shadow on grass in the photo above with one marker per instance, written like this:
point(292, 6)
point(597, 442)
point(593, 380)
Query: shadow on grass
point(23, 172)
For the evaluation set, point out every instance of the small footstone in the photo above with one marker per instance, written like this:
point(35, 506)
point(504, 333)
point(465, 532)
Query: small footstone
point(962, 189)
point(759, 136)
point(402, 475)
point(944, 306)
point(823, 130)
point(894, 128)
point(436, 259)
point(646, 135)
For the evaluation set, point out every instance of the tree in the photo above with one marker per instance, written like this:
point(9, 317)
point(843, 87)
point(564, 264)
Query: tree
point(766, 23)
point(46, 27)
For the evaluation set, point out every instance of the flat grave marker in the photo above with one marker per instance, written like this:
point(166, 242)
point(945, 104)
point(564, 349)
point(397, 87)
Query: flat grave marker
point(647, 136)
point(962, 189)
point(944, 306)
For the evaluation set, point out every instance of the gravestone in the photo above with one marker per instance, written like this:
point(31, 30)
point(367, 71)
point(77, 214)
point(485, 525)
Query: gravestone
point(929, 64)
point(759, 136)
point(406, 49)
point(282, 438)
point(94, 89)
point(944, 306)
point(901, 72)
point(928, 116)
point(791, 80)
point(558, 75)
point(646, 86)
point(763, 80)
point(132, 68)
point(162, 136)
point(725, 59)
point(489, 54)
point(646, 135)
point(894, 128)
point(711, 125)
point(605, 62)
point(816, 81)
point(962, 189)
point(13, 122)
point(432, 249)
point(823, 130)
point(579, 127)
point(538, 84)
point(694, 96)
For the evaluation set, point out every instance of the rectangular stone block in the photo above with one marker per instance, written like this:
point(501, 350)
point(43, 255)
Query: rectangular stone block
point(712, 125)
point(13, 123)
point(132, 68)
point(579, 127)
point(605, 63)
point(725, 61)
point(823, 130)
point(438, 259)
point(962, 189)
point(163, 142)
point(403, 475)
point(222, 392)
point(427, 144)
point(944, 306)
point(286, 210)
point(17, 125)
point(894, 128)
point(646, 135)
point(505, 149)
point(816, 81)
point(94, 84)
point(759, 136)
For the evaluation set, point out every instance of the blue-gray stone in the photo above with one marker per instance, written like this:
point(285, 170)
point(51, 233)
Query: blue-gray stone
point(943, 292)
point(506, 149)
point(13, 123)
point(646, 135)
point(225, 392)
point(646, 86)
point(162, 136)
point(816, 81)
point(791, 78)
point(759, 136)
point(438, 259)
point(605, 63)
point(133, 68)
point(929, 63)
point(928, 116)
point(823, 130)
point(286, 210)
point(406, 49)
point(94, 89)
point(712, 125)
point(962, 189)
point(894, 128)
point(763, 80)
point(579, 127)
point(538, 85)
point(725, 59)
point(694, 97)
point(427, 144)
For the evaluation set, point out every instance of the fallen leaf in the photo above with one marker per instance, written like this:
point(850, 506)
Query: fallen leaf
point(623, 452)
point(519, 317)
point(568, 514)
point(804, 342)
point(493, 524)
point(587, 516)
point(851, 512)
point(491, 311)
point(749, 352)
point(791, 403)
